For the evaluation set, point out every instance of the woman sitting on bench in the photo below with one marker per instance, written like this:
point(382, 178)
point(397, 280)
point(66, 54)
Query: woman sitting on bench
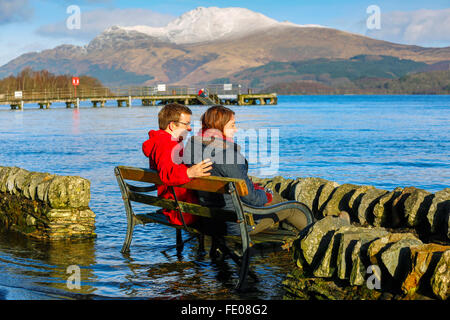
point(215, 141)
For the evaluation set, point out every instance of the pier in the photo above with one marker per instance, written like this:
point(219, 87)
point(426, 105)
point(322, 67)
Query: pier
point(149, 96)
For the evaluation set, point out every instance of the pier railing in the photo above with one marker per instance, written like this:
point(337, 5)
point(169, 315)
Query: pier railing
point(104, 92)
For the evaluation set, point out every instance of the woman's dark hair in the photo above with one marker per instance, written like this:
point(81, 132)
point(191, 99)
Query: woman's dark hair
point(216, 117)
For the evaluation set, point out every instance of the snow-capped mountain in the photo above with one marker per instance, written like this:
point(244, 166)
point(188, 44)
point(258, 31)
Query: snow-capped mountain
point(209, 45)
point(208, 24)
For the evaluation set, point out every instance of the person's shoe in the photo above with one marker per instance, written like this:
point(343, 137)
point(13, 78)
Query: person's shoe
point(217, 255)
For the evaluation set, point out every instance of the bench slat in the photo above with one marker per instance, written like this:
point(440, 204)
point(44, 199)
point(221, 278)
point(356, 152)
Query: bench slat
point(278, 236)
point(192, 208)
point(211, 183)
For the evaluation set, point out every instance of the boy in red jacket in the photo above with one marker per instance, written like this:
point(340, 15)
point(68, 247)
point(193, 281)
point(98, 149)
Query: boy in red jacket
point(164, 148)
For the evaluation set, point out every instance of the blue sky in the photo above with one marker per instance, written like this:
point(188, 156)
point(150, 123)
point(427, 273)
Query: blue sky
point(35, 25)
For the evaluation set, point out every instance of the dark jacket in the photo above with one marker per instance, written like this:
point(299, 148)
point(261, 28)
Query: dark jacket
point(227, 162)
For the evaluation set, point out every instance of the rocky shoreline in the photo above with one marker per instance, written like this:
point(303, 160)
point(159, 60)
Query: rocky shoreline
point(393, 244)
point(45, 206)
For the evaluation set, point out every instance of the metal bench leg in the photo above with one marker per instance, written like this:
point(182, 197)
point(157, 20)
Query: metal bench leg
point(243, 272)
point(201, 242)
point(129, 236)
point(180, 243)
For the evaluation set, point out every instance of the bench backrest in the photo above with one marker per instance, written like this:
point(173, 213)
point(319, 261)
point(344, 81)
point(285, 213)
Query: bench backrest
point(208, 184)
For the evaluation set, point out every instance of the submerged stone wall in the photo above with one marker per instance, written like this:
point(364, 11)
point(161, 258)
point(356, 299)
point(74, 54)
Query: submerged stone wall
point(45, 206)
point(393, 244)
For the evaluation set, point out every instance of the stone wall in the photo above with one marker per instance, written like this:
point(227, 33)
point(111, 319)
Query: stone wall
point(393, 244)
point(45, 206)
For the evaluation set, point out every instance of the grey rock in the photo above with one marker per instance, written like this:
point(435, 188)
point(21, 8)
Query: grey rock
point(397, 258)
point(4, 177)
point(325, 192)
point(339, 200)
point(368, 201)
point(10, 181)
point(347, 246)
point(355, 200)
point(316, 241)
point(439, 211)
point(21, 182)
point(307, 191)
point(327, 266)
point(360, 255)
point(440, 280)
point(69, 192)
point(34, 179)
point(278, 184)
point(42, 189)
point(416, 207)
point(382, 210)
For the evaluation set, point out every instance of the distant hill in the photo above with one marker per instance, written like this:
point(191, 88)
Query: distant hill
point(208, 44)
point(331, 72)
point(433, 82)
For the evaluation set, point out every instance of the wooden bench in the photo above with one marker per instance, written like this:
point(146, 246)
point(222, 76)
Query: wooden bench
point(243, 214)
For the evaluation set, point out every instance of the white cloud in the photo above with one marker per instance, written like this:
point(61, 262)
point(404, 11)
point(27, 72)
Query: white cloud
point(96, 21)
point(14, 11)
point(422, 27)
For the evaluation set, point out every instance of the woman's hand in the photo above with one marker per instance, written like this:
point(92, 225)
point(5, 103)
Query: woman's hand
point(200, 169)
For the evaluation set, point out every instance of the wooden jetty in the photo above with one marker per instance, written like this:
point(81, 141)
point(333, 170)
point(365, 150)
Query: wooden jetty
point(149, 96)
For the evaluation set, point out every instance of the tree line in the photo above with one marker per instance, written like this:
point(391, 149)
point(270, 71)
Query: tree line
point(43, 80)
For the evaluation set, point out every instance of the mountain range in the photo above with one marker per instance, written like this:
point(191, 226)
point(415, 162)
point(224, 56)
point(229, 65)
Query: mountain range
point(216, 45)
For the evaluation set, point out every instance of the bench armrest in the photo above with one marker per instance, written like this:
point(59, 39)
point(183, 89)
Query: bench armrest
point(141, 189)
point(278, 207)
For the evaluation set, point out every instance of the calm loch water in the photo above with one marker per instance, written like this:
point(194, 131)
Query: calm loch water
point(385, 141)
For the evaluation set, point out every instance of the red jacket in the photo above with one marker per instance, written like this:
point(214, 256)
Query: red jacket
point(162, 149)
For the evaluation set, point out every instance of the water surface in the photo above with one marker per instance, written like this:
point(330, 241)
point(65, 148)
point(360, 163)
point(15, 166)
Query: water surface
point(385, 141)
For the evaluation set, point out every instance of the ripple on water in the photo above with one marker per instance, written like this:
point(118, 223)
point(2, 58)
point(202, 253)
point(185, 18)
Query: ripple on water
point(385, 141)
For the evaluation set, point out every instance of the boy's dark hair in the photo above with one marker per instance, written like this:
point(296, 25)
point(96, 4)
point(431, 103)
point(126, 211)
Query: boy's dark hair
point(171, 112)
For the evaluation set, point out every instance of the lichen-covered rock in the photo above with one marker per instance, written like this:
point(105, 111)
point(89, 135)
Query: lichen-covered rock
point(297, 286)
point(359, 269)
point(42, 189)
point(279, 185)
point(440, 280)
point(382, 211)
point(69, 191)
point(397, 258)
point(398, 207)
point(339, 199)
point(368, 201)
point(26, 200)
point(307, 192)
point(7, 185)
point(4, 173)
point(439, 212)
point(355, 200)
point(350, 248)
point(21, 181)
point(35, 178)
point(325, 192)
point(314, 244)
point(423, 257)
point(327, 265)
point(416, 207)
point(378, 245)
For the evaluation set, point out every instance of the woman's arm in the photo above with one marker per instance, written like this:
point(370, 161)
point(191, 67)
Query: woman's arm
point(255, 197)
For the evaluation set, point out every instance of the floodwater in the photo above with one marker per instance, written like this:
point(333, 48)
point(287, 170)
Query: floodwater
point(384, 141)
